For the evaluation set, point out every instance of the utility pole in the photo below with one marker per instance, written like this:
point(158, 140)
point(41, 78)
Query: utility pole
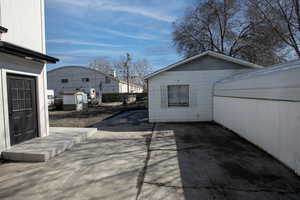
point(126, 66)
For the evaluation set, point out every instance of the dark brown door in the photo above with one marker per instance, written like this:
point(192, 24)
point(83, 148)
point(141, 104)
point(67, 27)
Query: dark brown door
point(22, 108)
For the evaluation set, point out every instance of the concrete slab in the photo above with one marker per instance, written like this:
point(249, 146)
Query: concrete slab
point(180, 161)
point(205, 161)
point(42, 149)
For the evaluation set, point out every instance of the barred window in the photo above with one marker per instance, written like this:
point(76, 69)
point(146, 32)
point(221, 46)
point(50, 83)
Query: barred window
point(178, 95)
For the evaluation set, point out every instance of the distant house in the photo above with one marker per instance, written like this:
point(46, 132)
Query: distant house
point(23, 89)
point(72, 78)
point(184, 91)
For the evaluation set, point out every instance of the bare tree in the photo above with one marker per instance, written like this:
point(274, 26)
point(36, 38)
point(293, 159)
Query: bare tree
point(103, 64)
point(140, 68)
point(283, 16)
point(212, 25)
point(132, 71)
point(137, 68)
point(224, 26)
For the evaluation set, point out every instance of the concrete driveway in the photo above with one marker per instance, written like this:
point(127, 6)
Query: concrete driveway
point(131, 159)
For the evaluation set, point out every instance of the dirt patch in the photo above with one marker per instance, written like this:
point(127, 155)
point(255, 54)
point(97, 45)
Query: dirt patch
point(90, 116)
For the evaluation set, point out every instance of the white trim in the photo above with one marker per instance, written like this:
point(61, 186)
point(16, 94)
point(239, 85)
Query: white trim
point(5, 103)
point(209, 53)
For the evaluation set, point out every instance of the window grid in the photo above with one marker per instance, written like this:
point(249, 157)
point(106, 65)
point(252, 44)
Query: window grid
point(22, 96)
point(178, 95)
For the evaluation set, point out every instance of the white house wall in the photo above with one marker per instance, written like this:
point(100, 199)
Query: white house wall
point(15, 65)
point(75, 75)
point(132, 88)
point(201, 93)
point(25, 23)
point(122, 87)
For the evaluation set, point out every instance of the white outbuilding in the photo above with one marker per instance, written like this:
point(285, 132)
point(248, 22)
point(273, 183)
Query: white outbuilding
point(183, 91)
point(75, 101)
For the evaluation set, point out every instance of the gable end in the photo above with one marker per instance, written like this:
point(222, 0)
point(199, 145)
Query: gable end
point(208, 63)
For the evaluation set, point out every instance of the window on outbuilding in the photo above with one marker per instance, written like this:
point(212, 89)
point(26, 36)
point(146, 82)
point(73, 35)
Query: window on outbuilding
point(65, 80)
point(100, 86)
point(178, 95)
point(85, 80)
point(107, 80)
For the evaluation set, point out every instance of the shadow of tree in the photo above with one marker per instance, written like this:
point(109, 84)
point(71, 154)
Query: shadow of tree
point(214, 163)
point(126, 159)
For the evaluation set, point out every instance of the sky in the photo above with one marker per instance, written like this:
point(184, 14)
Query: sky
point(78, 31)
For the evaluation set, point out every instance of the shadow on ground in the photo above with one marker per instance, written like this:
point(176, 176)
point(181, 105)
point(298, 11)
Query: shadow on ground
point(205, 161)
point(132, 159)
point(128, 121)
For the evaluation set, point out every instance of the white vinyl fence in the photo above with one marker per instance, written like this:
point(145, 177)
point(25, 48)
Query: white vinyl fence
point(264, 107)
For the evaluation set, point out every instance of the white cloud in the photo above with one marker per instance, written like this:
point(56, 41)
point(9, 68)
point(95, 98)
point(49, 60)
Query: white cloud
point(104, 5)
point(128, 35)
point(75, 42)
point(139, 11)
point(92, 52)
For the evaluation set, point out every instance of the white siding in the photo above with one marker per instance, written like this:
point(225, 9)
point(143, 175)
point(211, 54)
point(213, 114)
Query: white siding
point(122, 87)
point(201, 92)
point(12, 64)
point(74, 74)
point(272, 125)
point(25, 23)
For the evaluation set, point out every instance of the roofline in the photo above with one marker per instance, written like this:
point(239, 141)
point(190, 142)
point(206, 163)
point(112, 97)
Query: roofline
point(94, 70)
point(12, 49)
point(209, 53)
point(286, 66)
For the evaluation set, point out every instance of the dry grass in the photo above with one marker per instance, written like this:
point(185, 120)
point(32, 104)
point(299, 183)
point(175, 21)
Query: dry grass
point(90, 116)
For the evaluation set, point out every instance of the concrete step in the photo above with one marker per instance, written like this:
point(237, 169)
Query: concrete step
point(43, 149)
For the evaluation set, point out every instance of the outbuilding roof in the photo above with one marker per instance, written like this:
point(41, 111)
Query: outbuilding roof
point(207, 53)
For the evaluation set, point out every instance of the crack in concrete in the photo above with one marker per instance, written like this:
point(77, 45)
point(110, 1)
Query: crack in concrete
point(223, 188)
point(142, 173)
point(180, 149)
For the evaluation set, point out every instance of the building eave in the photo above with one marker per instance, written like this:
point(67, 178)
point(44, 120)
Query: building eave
point(209, 53)
point(12, 49)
